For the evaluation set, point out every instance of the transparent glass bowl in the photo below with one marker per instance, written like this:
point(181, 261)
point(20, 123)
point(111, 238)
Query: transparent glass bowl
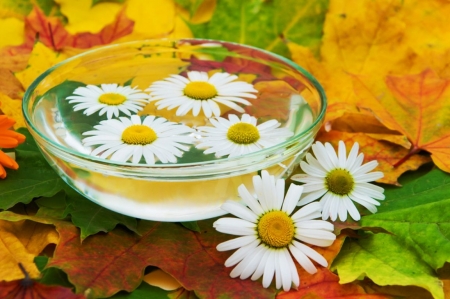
point(194, 188)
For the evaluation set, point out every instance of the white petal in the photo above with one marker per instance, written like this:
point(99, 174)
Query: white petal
point(239, 211)
point(292, 198)
point(311, 253)
point(242, 252)
point(235, 243)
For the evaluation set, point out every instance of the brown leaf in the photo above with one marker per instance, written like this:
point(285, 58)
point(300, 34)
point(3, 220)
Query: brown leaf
point(9, 85)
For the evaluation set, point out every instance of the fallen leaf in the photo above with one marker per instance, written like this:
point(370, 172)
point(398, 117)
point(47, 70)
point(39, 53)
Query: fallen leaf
point(402, 213)
point(9, 85)
point(29, 289)
point(12, 32)
point(41, 59)
point(266, 24)
point(14, 59)
point(83, 16)
point(386, 260)
point(387, 154)
point(52, 33)
point(12, 108)
point(161, 279)
point(96, 262)
point(419, 109)
point(20, 242)
point(92, 218)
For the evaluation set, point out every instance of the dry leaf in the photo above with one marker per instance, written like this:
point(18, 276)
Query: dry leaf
point(161, 279)
point(20, 242)
point(9, 85)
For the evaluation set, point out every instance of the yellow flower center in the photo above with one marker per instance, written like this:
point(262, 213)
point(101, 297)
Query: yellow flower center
point(276, 229)
point(112, 99)
point(138, 134)
point(243, 133)
point(340, 181)
point(200, 90)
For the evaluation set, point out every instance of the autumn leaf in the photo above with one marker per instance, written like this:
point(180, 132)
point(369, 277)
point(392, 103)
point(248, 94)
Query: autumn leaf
point(92, 218)
point(197, 11)
point(52, 33)
point(419, 109)
point(402, 213)
point(13, 109)
point(83, 16)
point(386, 153)
point(386, 261)
point(28, 289)
point(41, 59)
point(158, 20)
point(266, 24)
point(12, 32)
point(9, 85)
point(20, 242)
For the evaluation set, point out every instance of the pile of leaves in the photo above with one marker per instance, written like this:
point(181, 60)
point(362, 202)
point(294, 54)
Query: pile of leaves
point(385, 66)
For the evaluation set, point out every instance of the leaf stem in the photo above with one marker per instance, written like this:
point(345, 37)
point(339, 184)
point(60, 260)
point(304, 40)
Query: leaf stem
point(412, 152)
point(27, 281)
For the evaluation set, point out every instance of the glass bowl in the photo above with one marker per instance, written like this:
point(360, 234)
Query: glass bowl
point(197, 184)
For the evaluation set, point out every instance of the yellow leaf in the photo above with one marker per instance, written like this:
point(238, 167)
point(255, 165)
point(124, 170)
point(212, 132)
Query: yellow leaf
point(161, 279)
point(83, 17)
point(21, 242)
point(203, 13)
point(12, 32)
point(12, 108)
point(41, 59)
point(155, 19)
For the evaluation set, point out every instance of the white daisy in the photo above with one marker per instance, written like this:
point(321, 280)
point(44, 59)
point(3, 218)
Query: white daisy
point(339, 181)
point(200, 92)
point(109, 99)
point(236, 137)
point(130, 138)
point(270, 236)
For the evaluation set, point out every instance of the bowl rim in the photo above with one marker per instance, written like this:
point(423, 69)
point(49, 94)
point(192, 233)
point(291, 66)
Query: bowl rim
point(271, 150)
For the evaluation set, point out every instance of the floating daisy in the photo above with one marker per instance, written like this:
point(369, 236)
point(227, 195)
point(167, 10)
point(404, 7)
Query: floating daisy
point(109, 99)
point(130, 138)
point(199, 92)
point(236, 137)
point(270, 236)
point(339, 180)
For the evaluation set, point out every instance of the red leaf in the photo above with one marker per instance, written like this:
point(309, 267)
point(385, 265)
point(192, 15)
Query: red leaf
point(29, 289)
point(325, 284)
point(51, 32)
point(108, 263)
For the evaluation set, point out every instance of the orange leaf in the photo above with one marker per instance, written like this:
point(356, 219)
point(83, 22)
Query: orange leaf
point(52, 33)
point(417, 107)
point(9, 85)
point(387, 154)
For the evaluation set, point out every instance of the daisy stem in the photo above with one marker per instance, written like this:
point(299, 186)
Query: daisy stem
point(414, 150)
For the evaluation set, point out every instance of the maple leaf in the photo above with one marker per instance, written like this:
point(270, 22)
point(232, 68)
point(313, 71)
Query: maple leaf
point(386, 153)
point(20, 242)
point(419, 109)
point(386, 260)
point(52, 33)
point(28, 289)
point(402, 213)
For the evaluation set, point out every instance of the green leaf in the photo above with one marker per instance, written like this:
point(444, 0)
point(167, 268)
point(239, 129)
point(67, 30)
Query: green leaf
point(418, 214)
point(11, 8)
point(267, 24)
point(144, 291)
point(191, 225)
point(52, 207)
point(92, 218)
point(51, 276)
point(34, 178)
point(386, 261)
